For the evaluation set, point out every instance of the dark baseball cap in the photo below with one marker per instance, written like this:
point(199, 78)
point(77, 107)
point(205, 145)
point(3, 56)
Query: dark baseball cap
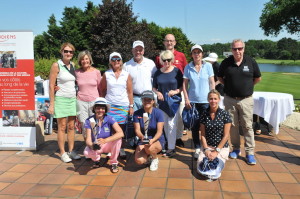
point(147, 94)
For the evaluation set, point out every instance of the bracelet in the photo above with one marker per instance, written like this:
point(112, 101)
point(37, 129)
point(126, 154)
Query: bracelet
point(131, 105)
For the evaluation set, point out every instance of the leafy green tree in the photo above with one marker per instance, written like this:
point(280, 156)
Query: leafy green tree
point(281, 14)
point(115, 28)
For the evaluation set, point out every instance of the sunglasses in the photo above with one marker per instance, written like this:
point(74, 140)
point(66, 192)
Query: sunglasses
point(69, 51)
point(114, 59)
point(169, 60)
point(239, 49)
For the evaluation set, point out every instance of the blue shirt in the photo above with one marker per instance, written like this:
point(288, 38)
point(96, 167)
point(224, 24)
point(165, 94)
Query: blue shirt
point(198, 81)
point(106, 128)
point(155, 117)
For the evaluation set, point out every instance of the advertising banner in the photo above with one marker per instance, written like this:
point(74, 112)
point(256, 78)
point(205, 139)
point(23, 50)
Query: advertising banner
point(17, 93)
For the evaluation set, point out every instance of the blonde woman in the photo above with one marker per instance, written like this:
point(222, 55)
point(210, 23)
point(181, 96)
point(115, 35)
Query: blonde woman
point(63, 101)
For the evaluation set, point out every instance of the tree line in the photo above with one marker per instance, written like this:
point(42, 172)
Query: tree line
point(112, 26)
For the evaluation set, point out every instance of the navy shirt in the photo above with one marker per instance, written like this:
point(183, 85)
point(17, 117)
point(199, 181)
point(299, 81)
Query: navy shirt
point(155, 117)
point(238, 80)
point(214, 129)
point(106, 128)
point(164, 82)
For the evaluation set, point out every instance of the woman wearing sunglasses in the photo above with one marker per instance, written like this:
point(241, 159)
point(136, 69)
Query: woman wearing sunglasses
point(63, 101)
point(167, 82)
point(116, 87)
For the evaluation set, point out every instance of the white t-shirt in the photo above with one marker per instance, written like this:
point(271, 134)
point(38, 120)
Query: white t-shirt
point(116, 92)
point(141, 74)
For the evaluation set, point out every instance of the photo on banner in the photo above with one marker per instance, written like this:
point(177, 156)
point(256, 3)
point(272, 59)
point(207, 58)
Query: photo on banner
point(17, 104)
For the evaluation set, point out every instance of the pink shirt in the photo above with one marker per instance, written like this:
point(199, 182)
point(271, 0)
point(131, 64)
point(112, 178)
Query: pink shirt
point(89, 84)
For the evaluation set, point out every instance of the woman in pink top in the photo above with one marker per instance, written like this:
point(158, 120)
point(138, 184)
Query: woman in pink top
point(88, 81)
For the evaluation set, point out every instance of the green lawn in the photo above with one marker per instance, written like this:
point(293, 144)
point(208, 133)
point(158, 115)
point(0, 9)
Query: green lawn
point(280, 82)
point(280, 62)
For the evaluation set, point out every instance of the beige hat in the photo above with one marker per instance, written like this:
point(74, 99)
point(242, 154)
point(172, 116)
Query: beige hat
point(102, 101)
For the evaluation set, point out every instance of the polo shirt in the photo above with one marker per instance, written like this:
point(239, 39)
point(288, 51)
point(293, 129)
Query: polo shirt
point(106, 128)
point(238, 80)
point(179, 61)
point(116, 92)
point(141, 74)
point(198, 81)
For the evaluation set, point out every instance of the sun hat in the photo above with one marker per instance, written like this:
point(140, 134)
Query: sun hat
point(147, 94)
point(101, 101)
point(114, 54)
point(138, 43)
point(197, 46)
point(213, 57)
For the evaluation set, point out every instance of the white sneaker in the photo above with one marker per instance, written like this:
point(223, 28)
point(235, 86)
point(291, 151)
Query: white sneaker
point(109, 154)
point(65, 158)
point(197, 153)
point(74, 155)
point(154, 164)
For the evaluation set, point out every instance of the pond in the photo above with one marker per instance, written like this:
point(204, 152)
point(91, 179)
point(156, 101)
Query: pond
point(279, 68)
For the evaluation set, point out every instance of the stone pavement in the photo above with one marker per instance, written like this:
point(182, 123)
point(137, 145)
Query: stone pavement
point(41, 174)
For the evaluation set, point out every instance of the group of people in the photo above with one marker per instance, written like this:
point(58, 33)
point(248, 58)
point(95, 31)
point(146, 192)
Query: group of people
point(155, 94)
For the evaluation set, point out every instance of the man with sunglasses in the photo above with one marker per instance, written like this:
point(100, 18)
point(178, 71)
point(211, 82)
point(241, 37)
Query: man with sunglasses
point(141, 70)
point(239, 73)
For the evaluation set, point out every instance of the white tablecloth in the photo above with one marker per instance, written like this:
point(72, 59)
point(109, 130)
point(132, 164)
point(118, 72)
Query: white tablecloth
point(273, 107)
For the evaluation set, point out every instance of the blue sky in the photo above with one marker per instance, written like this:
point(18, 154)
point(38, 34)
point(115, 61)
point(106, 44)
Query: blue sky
point(203, 21)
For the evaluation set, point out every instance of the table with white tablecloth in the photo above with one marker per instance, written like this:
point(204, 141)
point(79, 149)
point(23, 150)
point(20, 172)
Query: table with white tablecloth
point(273, 107)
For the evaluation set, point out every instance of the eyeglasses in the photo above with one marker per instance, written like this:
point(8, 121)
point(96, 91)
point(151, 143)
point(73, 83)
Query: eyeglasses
point(114, 59)
point(164, 60)
point(69, 51)
point(239, 49)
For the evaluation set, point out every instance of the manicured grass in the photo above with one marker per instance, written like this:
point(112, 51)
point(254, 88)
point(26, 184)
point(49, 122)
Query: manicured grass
point(280, 82)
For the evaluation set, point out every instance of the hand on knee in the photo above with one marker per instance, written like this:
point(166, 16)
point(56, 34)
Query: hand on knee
point(140, 161)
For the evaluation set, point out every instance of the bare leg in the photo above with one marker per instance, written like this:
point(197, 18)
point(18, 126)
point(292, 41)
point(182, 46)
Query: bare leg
point(153, 149)
point(62, 124)
point(71, 132)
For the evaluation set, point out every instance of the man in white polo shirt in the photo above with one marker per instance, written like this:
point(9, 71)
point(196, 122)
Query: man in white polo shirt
point(141, 70)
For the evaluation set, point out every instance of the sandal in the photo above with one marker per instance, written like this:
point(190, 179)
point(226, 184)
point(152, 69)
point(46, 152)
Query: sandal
point(96, 164)
point(114, 168)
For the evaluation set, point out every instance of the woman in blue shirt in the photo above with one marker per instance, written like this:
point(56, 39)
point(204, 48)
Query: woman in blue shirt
point(148, 124)
point(100, 137)
point(198, 80)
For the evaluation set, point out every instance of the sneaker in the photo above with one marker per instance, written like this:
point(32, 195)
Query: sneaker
point(73, 155)
point(122, 153)
point(250, 159)
point(179, 143)
point(109, 154)
point(154, 164)
point(234, 154)
point(197, 153)
point(65, 158)
point(170, 153)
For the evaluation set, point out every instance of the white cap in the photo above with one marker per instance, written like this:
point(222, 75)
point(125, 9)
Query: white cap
point(138, 43)
point(102, 101)
point(197, 46)
point(213, 57)
point(114, 54)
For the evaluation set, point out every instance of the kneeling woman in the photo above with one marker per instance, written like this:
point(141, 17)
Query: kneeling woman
point(148, 121)
point(100, 137)
point(215, 127)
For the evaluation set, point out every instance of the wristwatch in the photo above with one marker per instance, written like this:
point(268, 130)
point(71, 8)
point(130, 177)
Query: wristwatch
point(131, 106)
point(218, 150)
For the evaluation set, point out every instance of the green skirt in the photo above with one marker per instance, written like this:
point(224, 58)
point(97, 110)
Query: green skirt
point(64, 107)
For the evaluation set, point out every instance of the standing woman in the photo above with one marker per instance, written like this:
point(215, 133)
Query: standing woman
point(168, 80)
point(63, 101)
point(88, 80)
point(116, 87)
point(198, 80)
point(215, 126)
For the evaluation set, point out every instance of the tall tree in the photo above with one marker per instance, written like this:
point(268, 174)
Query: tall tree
point(115, 28)
point(281, 14)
